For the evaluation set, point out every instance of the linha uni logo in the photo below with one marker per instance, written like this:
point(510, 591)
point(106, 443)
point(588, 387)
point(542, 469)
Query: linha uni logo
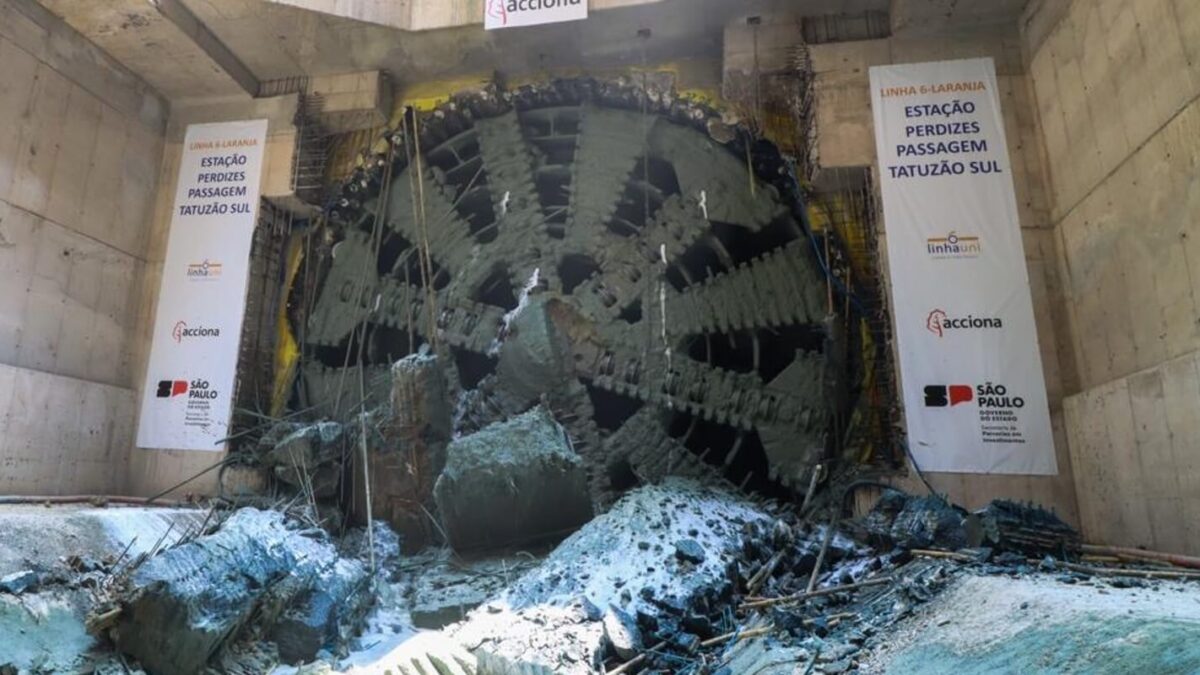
point(954, 245)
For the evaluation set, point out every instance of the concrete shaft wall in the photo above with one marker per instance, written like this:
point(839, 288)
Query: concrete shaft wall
point(1116, 86)
point(80, 152)
point(845, 137)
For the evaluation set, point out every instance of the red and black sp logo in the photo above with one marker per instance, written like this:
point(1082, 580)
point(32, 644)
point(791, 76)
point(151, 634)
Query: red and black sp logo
point(941, 395)
point(170, 388)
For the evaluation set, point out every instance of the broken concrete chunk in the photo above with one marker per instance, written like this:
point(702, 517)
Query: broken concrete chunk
point(535, 356)
point(689, 550)
point(19, 582)
point(918, 522)
point(540, 624)
point(182, 606)
point(421, 399)
point(357, 543)
point(446, 589)
point(308, 445)
point(324, 480)
point(305, 455)
point(324, 614)
point(512, 482)
point(622, 633)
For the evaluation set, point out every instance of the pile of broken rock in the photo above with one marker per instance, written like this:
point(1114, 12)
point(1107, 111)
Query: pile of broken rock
point(677, 577)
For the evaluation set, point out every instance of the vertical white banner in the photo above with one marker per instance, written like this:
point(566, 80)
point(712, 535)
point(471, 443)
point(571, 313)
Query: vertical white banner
point(516, 13)
point(974, 393)
point(188, 395)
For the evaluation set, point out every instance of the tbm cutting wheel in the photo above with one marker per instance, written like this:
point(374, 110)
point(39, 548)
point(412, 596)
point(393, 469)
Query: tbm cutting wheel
point(671, 307)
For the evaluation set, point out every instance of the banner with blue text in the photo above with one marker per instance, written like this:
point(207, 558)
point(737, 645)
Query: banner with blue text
point(188, 394)
point(971, 373)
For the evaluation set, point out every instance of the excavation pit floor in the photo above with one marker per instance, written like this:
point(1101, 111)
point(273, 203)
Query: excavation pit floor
point(927, 616)
point(1036, 624)
point(988, 624)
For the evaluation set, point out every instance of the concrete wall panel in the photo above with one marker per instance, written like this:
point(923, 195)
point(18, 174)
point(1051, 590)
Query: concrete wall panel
point(1133, 445)
point(1123, 148)
point(80, 145)
point(83, 451)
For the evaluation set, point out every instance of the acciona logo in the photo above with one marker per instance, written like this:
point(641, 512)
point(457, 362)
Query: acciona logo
point(939, 322)
point(513, 13)
point(182, 330)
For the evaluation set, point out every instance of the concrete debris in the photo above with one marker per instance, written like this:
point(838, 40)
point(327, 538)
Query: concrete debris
point(918, 522)
point(19, 582)
point(622, 633)
point(305, 456)
point(442, 590)
point(183, 606)
point(678, 577)
point(550, 620)
point(357, 544)
point(535, 355)
point(689, 550)
point(1024, 527)
point(514, 482)
point(420, 398)
point(406, 450)
point(44, 632)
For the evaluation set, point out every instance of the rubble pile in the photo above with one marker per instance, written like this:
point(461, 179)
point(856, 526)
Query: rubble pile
point(660, 565)
point(257, 573)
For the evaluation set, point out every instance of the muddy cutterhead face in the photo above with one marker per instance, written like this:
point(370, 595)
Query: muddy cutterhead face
point(674, 302)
